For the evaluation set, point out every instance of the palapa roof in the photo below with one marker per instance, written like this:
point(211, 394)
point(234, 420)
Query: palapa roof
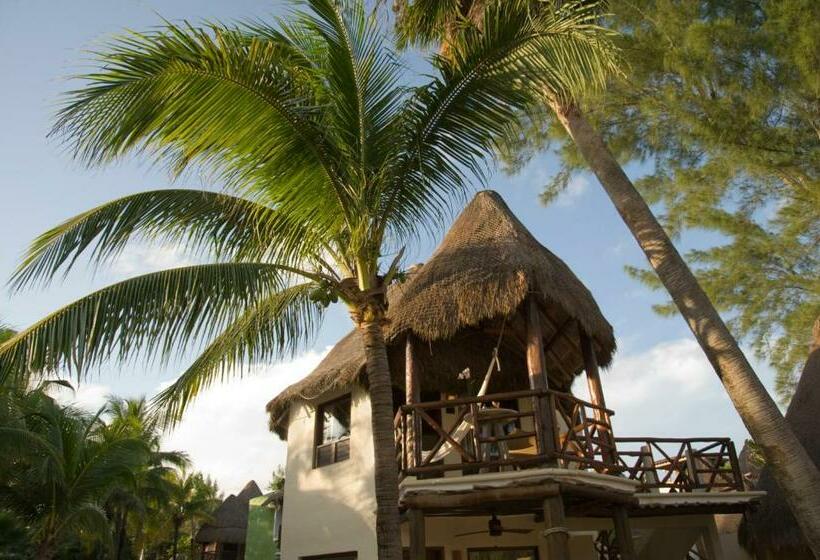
point(485, 267)
point(772, 528)
point(230, 521)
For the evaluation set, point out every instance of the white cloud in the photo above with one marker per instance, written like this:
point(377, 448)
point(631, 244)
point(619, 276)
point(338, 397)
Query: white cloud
point(225, 430)
point(136, 259)
point(668, 390)
point(88, 396)
point(576, 188)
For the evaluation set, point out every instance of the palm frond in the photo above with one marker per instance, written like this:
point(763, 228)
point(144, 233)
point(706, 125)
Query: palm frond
point(277, 326)
point(217, 96)
point(164, 311)
point(489, 76)
point(88, 518)
point(218, 224)
point(361, 81)
point(105, 465)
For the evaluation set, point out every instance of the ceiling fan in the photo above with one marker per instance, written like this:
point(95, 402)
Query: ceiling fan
point(495, 529)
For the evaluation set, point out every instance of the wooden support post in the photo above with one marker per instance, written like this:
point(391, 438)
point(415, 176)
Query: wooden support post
point(555, 531)
point(623, 534)
point(417, 537)
point(537, 372)
point(650, 476)
point(709, 542)
point(596, 394)
point(691, 467)
point(412, 385)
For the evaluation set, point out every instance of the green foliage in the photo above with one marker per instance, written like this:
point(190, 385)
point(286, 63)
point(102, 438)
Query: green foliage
point(721, 98)
point(328, 161)
point(59, 467)
point(277, 481)
point(80, 485)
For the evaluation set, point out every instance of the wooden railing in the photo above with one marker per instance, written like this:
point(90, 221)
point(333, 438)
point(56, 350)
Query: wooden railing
point(481, 437)
point(681, 464)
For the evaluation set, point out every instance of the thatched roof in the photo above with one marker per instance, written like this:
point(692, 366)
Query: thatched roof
point(772, 529)
point(486, 266)
point(230, 518)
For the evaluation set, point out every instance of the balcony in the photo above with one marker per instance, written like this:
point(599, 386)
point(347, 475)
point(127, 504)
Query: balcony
point(551, 428)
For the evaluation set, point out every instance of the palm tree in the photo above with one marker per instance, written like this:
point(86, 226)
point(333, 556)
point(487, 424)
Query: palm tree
point(64, 469)
point(328, 166)
point(193, 498)
point(427, 21)
point(152, 481)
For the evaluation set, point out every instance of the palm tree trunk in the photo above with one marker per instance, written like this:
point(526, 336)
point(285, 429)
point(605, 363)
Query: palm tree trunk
point(44, 552)
point(123, 518)
point(176, 539)
point(796, 474)
point(388, 529)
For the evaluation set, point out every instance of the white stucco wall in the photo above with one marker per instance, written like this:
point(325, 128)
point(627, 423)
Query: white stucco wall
point(329, 509)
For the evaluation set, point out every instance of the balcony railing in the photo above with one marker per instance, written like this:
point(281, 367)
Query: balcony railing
point(482, 436)
point(681, 465)
point(556, 429)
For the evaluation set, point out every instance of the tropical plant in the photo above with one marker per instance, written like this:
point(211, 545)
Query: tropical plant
point(277, 481)
point(733, 112)
point(329, 165)
point(152, 483)
point(193, 499)
point(6, 332)
point(425, 22)
point(63, 468)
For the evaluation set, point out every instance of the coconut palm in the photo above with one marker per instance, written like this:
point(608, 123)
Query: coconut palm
point(152, 482)
point(328, 167)
point(424, 22)
point(64, 469)
point(192, 499)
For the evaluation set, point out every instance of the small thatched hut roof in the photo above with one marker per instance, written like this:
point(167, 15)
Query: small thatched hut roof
point(230, 519)
point(486, 266)
point(771, 531)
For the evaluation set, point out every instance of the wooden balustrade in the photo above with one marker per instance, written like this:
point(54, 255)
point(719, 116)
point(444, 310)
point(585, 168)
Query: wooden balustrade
point(481, 438)
point(681, 464)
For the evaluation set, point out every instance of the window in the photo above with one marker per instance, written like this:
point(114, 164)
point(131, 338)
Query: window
point(333, 432)
point(502, 554)
point(431, 553)
point(336, 556)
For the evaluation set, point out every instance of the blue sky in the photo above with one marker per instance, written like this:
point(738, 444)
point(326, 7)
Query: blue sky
point(659, 384)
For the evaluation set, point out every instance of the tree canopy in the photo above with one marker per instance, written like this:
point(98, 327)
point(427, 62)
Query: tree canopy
point(721, 98)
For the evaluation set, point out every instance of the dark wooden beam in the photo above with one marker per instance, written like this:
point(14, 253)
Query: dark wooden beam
point(557, 334)
point(623, 534)
point(556, 533)
point(483, 498)
point(417, 535)
point(412, 385)
point(601, 494)
point(596, 391)
point(537, 373)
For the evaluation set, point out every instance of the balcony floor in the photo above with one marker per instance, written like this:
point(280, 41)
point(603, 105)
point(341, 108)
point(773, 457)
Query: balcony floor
point(585, 493)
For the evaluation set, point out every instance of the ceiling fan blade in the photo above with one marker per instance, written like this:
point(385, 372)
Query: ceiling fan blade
point(470, 533)
point(519, 531)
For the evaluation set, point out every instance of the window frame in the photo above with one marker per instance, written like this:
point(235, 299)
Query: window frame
point(534, 549)
point(318, 430)
point(352, 553)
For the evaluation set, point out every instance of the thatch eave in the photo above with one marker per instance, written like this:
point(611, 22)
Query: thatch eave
point(486, 267)
point(230, 520)
point(771, 531)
